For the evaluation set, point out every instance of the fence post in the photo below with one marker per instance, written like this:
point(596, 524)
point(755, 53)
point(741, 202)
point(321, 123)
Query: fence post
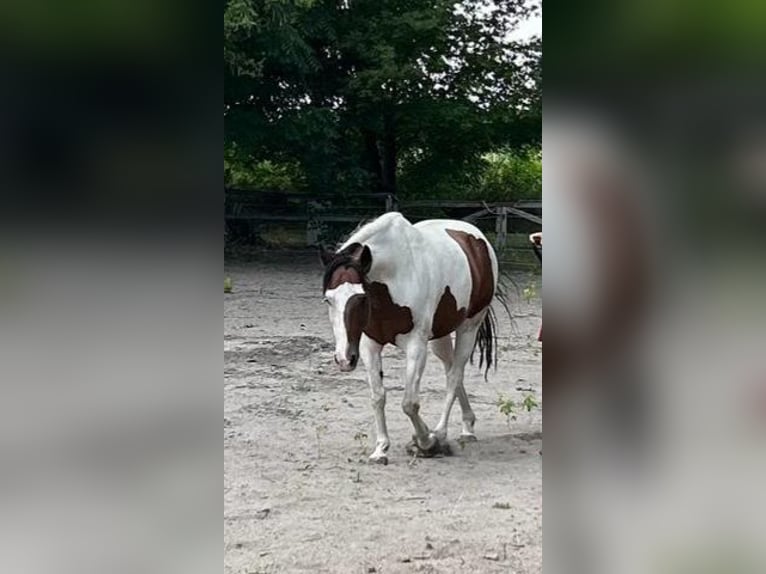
point(501, 228)
point(314, 225)
point(390, 203)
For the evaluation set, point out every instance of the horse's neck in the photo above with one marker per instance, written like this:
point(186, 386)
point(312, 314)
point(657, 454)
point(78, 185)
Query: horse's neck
point(390, 260)
point(390, 240)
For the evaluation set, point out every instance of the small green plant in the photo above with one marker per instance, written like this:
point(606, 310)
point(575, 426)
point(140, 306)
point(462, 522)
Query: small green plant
point(530, 292)
point(529, 403)
point(508, 406)
point(227, 285)
point(361, 439)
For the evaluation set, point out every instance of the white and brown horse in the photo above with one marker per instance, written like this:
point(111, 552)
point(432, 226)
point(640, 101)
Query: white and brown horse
point(393, 282)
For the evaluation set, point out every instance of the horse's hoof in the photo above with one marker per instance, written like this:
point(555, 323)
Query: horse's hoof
point(440, 435)
point(378, 459)
point(438, 448)
point(467, 437)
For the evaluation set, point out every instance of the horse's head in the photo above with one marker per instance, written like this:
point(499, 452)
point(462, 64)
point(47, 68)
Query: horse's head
point(344, 293)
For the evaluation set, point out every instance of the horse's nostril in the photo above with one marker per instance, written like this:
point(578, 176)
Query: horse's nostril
point(335, 358)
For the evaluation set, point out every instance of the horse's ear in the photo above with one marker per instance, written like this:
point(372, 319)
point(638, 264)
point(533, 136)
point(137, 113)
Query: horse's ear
point(365, 260)
point(326, 256)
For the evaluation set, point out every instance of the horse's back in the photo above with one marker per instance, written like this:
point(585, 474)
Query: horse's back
point(437, 228)
point(448, 232)
point(460, 257)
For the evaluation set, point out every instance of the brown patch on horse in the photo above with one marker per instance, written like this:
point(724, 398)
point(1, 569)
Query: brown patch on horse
point(386, 319)
point(480, 264)
point(343, 275)
point(355, 318)
point(447, 316)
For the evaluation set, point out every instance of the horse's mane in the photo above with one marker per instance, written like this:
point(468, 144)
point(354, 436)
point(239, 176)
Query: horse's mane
point(345, 250)
point(347, 238)
point(368, 228)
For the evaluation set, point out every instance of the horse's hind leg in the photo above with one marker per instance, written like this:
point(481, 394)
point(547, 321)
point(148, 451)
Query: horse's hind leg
point(425, 442)
point(469, 419)
point(465, 338)
point(442, 348)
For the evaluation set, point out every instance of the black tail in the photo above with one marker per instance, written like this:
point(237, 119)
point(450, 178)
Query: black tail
point(485, 340)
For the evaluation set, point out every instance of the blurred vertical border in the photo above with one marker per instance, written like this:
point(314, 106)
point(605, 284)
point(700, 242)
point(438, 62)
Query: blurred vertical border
point(110, 199)
point(654, 187)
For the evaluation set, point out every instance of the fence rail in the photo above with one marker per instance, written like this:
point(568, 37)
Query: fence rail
point(246, 211)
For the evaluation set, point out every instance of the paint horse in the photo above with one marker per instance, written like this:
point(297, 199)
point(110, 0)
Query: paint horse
point(396, 283)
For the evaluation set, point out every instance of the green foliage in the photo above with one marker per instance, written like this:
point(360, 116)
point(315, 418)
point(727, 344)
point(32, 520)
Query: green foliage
point(530, 291)
point(242, 172)
point(361, 440)
point(504, 175)
point(508, 406)
point(383, 95)
point(529, 403)
point(510, 175)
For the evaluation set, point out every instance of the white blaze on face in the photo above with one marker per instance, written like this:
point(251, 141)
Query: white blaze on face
point(337, 299)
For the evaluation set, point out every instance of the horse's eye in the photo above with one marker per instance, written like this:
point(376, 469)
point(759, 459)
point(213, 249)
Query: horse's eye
point(326, 300)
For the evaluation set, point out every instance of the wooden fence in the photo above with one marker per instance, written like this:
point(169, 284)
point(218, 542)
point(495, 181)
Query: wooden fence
point(322, 218)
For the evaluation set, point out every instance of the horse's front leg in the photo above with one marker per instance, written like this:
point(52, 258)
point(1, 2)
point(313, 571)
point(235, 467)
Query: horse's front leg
point(369, 352)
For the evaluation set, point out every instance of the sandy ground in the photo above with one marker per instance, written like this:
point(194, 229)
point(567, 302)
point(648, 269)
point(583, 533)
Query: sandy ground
point(299, 495)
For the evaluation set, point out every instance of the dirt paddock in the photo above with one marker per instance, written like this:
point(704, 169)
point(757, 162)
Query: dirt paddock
point(299, 495)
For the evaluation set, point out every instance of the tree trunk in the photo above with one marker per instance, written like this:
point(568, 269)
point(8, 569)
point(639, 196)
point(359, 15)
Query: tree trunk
point(389, 153)
point(372, 161)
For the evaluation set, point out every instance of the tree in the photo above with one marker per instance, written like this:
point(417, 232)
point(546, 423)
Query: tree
point(379, 95)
